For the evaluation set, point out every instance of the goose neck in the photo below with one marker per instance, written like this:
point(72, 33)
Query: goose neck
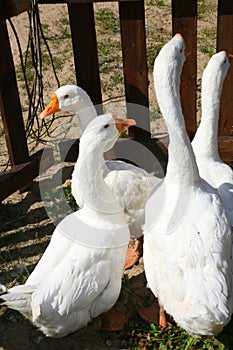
point(206, 138)
point(89, 174)
point(181, 167)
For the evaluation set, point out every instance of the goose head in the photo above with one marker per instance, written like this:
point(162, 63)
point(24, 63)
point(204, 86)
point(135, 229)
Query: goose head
point(170, 60)
point(105, 129)
point(216, 71)
point(70, 98)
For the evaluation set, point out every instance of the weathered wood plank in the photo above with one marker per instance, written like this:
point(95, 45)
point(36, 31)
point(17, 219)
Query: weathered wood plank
point(69, 151)
point(225, 42)
point(85, 50)
point(10, 8)
point(184, 21)
point(10, 104)
point(20, 175)
point(133, 39)
point(225, 146)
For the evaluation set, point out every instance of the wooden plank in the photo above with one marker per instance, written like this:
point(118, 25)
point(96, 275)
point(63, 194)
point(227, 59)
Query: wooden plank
point(184, 21)
point(10, 8)
point(10, 104)
point(133, 38)
point(85, 51)
point(225, 146)
point(69, 149)
point(225, 42)
point(22, 174)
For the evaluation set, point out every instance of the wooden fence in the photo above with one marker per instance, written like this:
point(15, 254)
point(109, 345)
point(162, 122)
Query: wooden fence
point(25, 167)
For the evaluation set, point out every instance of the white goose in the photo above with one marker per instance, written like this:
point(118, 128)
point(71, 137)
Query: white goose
point(205, 143)
point(130, 184)
point(79, 274)
point(187, 245)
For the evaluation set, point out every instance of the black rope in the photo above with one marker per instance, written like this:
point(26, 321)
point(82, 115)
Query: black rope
point(35, 89)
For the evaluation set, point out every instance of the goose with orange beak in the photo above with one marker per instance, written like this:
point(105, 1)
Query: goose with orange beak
point(130, 184)
point(84, 260)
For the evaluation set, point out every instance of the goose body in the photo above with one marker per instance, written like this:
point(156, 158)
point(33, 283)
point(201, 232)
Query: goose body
point(130, 184)
point(205, 143)
point(187, 244)
point(79, 274)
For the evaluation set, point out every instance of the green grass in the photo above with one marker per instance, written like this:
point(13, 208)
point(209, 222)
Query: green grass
point(117, 77)
point(1, 131)
point(154, 337)
point(209, 33)
point(108, 21)
point(109, 50)
point(204, 7)
point(158, 3)
point(65, 21)
point(69, 197)
point(142, 336)
point(208, 49)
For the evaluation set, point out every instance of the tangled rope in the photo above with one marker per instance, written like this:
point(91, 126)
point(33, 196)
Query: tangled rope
point(34, 128)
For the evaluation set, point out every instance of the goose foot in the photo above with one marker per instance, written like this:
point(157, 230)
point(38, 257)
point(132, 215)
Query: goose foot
point(162, 317)
point(165, 320)
point(134, 254)
point(113, 321)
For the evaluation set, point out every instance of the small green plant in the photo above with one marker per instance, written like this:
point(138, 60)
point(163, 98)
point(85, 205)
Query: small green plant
point(209, 50)
point(107, 21)
point(58, 62)
point(203, 7)
point(28, 71)
point(1, 131)
point(65, 21)
point(117, 77)
point(160, 3)
point(142, 336)
point(209, 33)
point(69, 197)
point(155, 114)
point(109, 50)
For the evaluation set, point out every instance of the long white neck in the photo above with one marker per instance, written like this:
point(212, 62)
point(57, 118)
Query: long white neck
point(205, 142)
point(181, 167)
point(85, 111)
point(89, 174)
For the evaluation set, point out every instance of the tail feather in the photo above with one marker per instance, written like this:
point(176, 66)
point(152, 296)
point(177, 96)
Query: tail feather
point(3, 289)
point(19, 298)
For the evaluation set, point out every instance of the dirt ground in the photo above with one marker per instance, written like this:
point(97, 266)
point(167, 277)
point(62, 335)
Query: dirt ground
point(26, 227)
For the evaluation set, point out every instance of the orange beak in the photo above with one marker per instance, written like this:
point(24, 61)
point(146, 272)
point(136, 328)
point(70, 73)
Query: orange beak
point(123, 124)
point(51, 108)
point(230, 56)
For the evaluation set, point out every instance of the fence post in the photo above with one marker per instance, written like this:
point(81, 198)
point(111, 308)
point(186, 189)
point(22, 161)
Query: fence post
point(184, 21)
point(10, 104)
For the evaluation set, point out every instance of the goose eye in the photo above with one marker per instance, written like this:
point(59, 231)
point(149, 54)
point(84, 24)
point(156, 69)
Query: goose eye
point(181, 50)
point(225, 61)
point(66, 96)
point(106, 126)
